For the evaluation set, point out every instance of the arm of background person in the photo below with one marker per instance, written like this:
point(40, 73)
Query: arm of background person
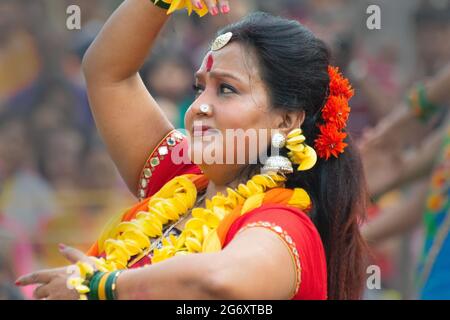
point(388, 138)
point(421, 162)
point(404, 216)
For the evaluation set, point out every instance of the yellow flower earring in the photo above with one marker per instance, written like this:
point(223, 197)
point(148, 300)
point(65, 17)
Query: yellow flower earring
point(299, 152)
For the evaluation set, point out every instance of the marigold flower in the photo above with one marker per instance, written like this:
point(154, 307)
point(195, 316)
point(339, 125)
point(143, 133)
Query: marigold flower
point(339, 86)
point(330, 141)
point(336, 111)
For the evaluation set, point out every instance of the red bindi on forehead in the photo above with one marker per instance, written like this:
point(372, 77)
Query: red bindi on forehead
point(209, 62)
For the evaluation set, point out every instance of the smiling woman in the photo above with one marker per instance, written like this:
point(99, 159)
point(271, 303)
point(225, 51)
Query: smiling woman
point(212, 230)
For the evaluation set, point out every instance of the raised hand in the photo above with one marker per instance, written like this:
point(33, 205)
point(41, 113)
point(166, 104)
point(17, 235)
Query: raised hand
point(214, 6)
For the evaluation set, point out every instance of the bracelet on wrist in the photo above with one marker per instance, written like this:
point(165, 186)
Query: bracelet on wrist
point(161, 4)
point(420, 105)
point(103, 285)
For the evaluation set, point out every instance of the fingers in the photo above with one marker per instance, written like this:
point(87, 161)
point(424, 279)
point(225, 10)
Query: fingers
point(59, 290)
point(214, 6)
point(37, 277)
point(41, 292)
point(72, 254)
point(224, 6)
point(197, 4)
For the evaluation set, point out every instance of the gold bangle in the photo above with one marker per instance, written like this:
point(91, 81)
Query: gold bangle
point(102, 287)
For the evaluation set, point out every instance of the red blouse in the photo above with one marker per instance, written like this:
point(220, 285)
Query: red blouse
point(293, 226)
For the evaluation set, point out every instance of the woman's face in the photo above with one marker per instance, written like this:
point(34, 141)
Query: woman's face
point(228, 81)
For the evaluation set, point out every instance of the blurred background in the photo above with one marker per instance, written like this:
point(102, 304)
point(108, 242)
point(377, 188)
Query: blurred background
point(57, 182)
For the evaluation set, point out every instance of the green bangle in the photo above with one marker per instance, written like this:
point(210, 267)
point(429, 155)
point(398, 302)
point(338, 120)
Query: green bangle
point(428, 108)
point(93, 285)
point(110, 286)
point(161, 4)
point(420, 105)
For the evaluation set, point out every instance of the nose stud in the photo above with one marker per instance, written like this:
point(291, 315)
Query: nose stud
point(205, 108)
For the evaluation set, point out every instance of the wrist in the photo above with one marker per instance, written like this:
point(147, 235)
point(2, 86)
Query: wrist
point(103, 285)
point(171, 6)
point(420, 104)
point(161, 4)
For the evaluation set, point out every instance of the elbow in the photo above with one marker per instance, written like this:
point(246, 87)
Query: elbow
point(88, 65)
point(219, 285)
point(93, 64)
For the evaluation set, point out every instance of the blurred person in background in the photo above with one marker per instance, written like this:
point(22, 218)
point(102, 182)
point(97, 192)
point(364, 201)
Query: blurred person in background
point(16, 256)
point(26, 200)
point(7, 289)
point(20, 61)
point(432, 31)
point(177, 92)
point(19, 178)
point(428, 200)
point(85, 209)
point(411, 140)
point(60, 157)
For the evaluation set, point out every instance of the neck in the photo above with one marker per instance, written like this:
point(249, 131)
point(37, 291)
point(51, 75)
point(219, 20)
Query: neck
point(214, 188)
point(220, 185)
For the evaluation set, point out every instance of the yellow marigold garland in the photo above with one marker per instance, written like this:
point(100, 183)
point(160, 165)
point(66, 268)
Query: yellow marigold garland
point(131, 239)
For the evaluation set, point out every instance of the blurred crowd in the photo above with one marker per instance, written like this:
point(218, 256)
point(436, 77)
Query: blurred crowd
point(58, 183)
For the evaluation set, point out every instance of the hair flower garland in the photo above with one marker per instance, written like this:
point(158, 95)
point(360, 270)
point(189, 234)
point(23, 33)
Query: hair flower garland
point(339, 85)
point(330, 141)
point(335, 113)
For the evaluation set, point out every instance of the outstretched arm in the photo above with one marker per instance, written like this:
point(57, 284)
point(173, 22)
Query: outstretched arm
point(237, 272)
point(255, 265)
point(387, 139)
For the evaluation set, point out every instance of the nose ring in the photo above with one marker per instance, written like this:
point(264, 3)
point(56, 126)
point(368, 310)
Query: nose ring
point(205, 108)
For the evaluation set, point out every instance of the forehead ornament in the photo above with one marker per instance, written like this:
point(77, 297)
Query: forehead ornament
point(221, 41)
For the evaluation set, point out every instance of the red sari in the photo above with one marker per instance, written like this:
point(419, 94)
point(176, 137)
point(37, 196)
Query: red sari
point(291, 225)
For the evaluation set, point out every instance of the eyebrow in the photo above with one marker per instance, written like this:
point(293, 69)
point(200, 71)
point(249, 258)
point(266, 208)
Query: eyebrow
point(219, 74)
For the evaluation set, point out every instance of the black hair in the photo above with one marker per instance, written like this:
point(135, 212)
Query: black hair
point(293, 64)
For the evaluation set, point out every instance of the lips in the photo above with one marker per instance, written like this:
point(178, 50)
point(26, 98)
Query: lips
point(203, 130)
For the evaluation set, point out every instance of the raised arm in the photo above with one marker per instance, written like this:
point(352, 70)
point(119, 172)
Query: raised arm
point(386, 141)
point(127, 117)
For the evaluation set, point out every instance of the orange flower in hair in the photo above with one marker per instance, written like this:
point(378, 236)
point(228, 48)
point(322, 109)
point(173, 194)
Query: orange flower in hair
point(339, 86)
point(335, 113)
point(330, 141)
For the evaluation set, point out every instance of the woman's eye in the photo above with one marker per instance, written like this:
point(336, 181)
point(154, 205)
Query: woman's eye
point(227, 89)
point(223, 89)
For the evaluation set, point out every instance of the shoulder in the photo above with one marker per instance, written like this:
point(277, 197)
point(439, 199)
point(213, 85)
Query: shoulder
point(292, 219)
point(166, 161)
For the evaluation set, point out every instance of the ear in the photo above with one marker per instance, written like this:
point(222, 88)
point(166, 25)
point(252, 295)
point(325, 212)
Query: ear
point(288, 121)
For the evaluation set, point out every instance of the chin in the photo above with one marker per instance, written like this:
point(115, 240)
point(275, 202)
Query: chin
point(204, 153)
